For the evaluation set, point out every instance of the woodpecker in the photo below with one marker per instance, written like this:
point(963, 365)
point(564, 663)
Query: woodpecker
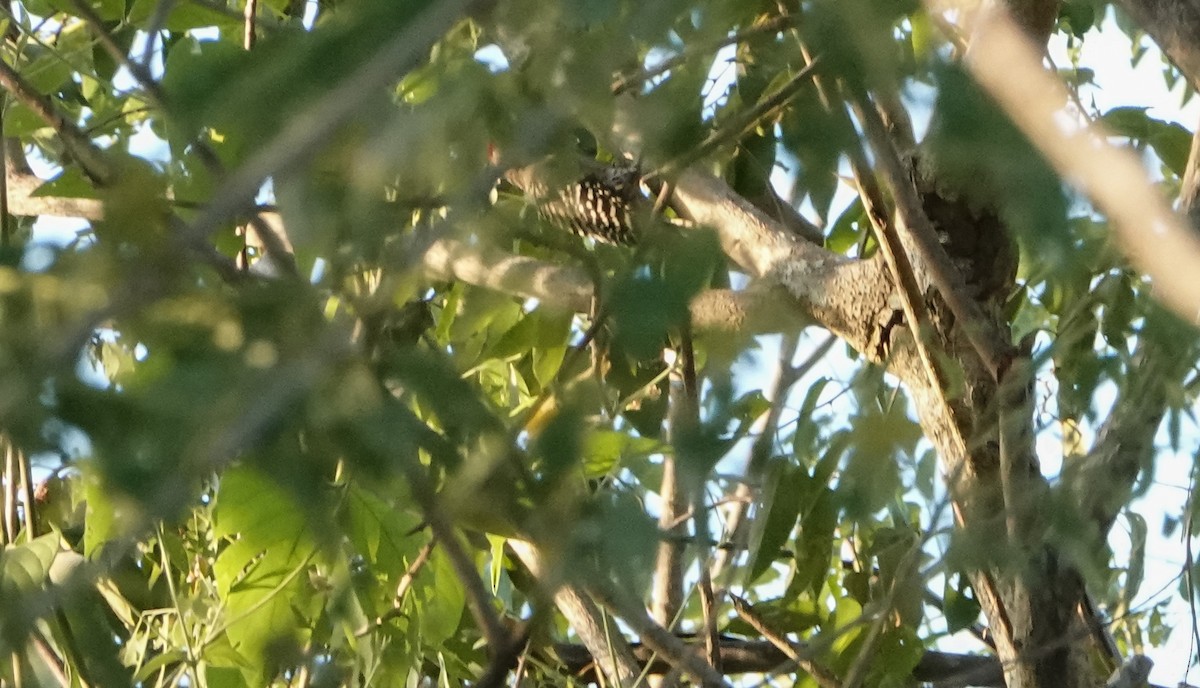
point(600, 205)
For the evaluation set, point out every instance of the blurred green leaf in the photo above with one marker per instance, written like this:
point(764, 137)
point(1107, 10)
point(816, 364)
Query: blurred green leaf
point(781, 505)
point(1169, 140)
point(260, 573)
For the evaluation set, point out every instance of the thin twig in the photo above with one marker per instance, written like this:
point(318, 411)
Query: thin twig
point(410, 574)
point(478, 600)
point(137, 70)
point(708, 604)
point(249, 15)
point(824, 677)
point(162, 9)
point(770, 25)
point(658, 638)
point(10, 474)
point(6, 226)
point(165, 561)
point(667, 595)
point(742, 123)
point(52, 661)
point(610, 652)
point(25, 480)
point(90, 158)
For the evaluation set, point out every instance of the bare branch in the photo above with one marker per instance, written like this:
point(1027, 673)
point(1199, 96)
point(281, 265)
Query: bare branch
point(823, 676)
point(672, 649)
point(91, 159)
point(761, 657)
point(21, 187)
point(1154, 238)
point(554, 285)
point(617, 661)
point(841, 294)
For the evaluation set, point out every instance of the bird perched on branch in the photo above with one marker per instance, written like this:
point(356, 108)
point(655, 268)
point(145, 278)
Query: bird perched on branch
point(601, 203)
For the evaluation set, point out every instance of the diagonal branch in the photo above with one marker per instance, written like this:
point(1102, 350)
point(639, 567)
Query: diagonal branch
point(1125, 442)
point(841, 294)
point(602, 645)
point(659, 639)
point(91, 158)
point(1155, 239)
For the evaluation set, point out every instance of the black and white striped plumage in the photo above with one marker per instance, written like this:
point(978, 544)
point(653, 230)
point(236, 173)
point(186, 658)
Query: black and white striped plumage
point(599, 206)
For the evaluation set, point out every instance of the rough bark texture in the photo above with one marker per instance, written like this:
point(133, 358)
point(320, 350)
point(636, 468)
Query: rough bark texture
point(1029, 596)
point(979, 424)
point(1175, 26)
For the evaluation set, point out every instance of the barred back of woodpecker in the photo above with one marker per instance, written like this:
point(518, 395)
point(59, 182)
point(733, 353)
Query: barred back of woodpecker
point(600, 205)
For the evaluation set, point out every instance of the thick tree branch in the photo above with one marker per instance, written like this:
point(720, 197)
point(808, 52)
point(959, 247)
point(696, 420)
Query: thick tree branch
point(755, 310)
point(1175, 26)
point(554, 285)
point(739, 656)
point(841, 294)
point(21, 200)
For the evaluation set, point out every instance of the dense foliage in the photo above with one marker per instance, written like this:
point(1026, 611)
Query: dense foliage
point(376, 449)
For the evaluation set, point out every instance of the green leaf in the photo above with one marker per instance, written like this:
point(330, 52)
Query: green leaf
point(108, 10)
point(71, 183)
point(47, 72)
point(808, 426)
point(984, 161)
point(848, 229)
point(26, 566)
point(381, 532)
point(750, 172)
point(560, 445)
point(784, 615)
point(960, 609)
point(259, 575)
point(182, 17)
point(871, 475)
point(814, 543)
point(1078, 15)
point(602, 452)
point(616, 542)
point(106, 518)
point(194, 72)
point(439, 599)
point(647, 305)
point(844, 622)
point(1170, 141)
point(781, 504)
point(21, 121)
